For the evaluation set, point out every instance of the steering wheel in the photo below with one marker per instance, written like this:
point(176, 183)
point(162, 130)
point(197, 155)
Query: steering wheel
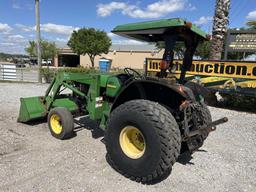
point(131, 72)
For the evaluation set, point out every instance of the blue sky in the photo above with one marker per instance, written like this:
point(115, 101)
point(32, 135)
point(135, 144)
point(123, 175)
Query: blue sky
point(60, 17)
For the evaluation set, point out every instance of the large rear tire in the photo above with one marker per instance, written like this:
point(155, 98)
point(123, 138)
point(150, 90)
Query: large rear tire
point(143, 140)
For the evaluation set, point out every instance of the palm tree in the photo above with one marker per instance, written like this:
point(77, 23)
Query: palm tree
point(220, 24)
point(31, 49)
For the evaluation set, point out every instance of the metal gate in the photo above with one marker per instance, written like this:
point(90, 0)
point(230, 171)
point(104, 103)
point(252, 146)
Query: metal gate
point(9, 72)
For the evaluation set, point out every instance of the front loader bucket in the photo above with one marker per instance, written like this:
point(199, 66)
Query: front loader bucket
point(31, 108)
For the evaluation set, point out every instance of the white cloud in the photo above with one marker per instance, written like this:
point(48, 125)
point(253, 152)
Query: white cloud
point(6, 44)
point(251, 15)
point(12, 48)
point(5, 28)
point(49, 28)
point(22, 4)
point(58, 29)
point(15, 39)
point(104, 10)
point(25, 28)
point(16, 6)
point(203, 20)
point(13, 44)
point(154, 10)
point(61, 39)
point(120, 40)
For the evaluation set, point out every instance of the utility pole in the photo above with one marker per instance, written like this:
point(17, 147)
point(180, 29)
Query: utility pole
point(38, 38)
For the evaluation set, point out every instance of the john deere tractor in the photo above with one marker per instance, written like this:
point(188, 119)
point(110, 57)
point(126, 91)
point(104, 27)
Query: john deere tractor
point(148, 121)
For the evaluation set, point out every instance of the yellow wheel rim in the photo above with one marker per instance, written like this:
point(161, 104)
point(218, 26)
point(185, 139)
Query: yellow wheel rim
point(132, 142)
point(55, 124)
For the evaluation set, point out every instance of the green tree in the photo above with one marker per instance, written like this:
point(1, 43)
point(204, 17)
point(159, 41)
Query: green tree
point(178, 49)
point(89, 41)
point(238, 55)
point(251, 24)
point(48, 49)
point(31, 49)
point(203, 50)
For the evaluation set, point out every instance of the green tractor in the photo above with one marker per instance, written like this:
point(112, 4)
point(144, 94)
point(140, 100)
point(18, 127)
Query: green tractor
point(148, 121)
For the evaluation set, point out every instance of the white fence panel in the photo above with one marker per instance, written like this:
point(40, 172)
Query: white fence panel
point(8, 72)
point(11, 73)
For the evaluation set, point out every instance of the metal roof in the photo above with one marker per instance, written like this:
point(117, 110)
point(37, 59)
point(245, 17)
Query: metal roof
point(133, 47)
point(152, 31)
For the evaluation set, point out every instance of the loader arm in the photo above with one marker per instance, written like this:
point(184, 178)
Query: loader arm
point(65, 80)
point(38, 107)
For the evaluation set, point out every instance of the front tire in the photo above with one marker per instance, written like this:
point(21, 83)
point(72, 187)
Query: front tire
point(143, 140)
point(60, 123)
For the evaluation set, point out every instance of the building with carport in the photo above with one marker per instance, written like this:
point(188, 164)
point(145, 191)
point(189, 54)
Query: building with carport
point(121, 55)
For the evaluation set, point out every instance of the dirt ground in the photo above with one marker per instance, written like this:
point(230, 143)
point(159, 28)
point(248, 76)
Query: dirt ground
point(32, 160)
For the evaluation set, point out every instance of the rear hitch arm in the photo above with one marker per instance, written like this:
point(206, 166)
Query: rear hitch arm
point(207, 128)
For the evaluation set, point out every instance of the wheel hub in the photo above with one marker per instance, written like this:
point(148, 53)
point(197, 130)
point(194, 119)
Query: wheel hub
point(132, 142)
point(55, 124)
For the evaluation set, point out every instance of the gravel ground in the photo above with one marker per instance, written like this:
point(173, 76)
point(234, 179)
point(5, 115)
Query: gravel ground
point(32, 160)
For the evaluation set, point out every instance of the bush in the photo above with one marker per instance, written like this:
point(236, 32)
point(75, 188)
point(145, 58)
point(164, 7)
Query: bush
point(76, 70)
point(49, 73)
point(241, 102)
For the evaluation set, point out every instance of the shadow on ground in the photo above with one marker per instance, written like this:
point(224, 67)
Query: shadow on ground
point(185, 158)
point(37, 121)
point(86, 123)
point(158, 180)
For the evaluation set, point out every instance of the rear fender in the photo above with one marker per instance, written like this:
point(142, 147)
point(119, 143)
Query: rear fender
point(168, 95)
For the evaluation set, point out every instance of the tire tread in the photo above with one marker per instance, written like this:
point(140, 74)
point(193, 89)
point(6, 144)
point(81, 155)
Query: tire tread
point(167, 129)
